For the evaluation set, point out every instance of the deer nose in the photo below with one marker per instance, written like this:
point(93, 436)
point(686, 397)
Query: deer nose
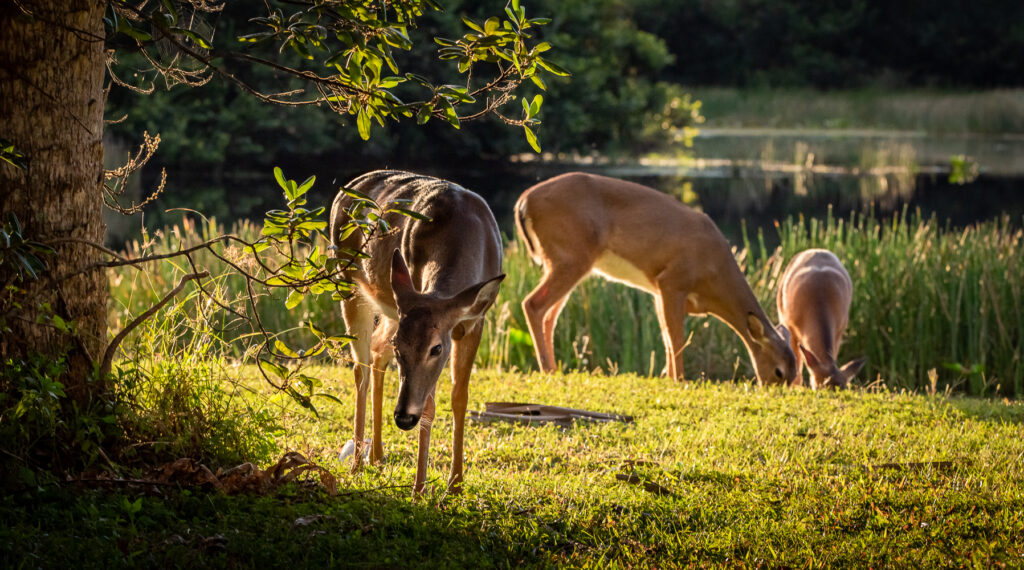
point(406, 421)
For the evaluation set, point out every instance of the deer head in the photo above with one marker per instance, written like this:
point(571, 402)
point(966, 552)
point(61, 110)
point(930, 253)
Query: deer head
point(423, 341)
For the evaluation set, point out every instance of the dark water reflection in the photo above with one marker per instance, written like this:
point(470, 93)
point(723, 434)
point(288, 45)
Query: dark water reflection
point(752, 176)
point(758, 199)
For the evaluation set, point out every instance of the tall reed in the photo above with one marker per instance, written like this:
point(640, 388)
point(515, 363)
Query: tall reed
point(926, 297)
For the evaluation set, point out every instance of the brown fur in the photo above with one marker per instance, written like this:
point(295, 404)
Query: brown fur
point(577, 223)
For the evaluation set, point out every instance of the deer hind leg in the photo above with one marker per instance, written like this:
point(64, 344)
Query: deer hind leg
point(671, 308)
point(463, 353)
point(383, 352)
point(359, 322)
point(543, 305)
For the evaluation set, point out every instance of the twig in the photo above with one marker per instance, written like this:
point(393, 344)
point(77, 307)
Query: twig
point(108, 356)
point(92, 244)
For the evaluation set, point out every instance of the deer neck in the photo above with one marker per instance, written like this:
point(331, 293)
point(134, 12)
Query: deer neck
point(820, 344)
point(731, 300)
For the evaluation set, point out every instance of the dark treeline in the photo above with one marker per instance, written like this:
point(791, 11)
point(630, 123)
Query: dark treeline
point(631, 60)
point(849, 43)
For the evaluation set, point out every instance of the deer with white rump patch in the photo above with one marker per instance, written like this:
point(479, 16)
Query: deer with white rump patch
point(814, 299)
point(578, 223)
point(422, 296)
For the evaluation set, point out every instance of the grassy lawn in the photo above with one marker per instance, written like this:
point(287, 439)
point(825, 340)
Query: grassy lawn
point(754, 477)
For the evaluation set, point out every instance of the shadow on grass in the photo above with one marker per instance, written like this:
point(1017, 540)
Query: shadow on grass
point(296, 527)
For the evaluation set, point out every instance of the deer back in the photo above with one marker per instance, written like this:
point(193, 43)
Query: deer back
point(458, 246)
point(814, 297)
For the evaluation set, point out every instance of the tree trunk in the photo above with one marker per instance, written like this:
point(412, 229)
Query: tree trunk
point(51, 109)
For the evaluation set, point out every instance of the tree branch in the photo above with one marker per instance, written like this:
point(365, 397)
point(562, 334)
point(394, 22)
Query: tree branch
point(108, 355)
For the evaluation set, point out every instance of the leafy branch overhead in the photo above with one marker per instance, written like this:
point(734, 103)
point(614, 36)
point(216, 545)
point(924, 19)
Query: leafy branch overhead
point(347, 57)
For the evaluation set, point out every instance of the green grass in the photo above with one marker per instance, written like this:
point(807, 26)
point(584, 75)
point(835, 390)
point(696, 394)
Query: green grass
point(938, 112)
point(759, 477)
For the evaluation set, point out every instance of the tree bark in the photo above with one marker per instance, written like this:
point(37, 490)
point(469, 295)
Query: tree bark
point(52, 65)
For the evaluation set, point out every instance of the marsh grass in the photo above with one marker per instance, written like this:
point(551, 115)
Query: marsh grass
point(926, 297)
point(756, 477)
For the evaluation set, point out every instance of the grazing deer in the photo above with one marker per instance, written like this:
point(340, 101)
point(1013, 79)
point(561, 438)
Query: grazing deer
point(579, 223)
point(814, 304)
point(429, 282)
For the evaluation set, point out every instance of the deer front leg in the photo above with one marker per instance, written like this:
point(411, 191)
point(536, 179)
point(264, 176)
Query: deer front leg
point(794, 344)
point(359, 322)
point(463, 353)
point(423, 452)
point(383, 352)
point(671, 309)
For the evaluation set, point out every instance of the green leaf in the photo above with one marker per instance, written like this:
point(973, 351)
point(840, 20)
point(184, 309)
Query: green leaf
point(535, 105)
point(283, 349)
point(411, 214)
point(199, 40)
point(279, 176)
point(169, 4)
point(553, 67)
point(330, 397)
point(531, 138)
point(293, 300)
point(363, 123)
point(126, 28)
point(356, 194)
point(275, 369)
point(423, 115)
point(538, 82)
point(305, 186)
point(316, 332)
point(519, 337)
point(450, 114)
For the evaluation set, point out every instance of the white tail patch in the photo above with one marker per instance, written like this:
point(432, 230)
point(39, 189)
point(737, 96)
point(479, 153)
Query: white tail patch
point(531, 237)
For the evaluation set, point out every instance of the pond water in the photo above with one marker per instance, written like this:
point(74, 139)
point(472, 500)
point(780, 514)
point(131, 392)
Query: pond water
point(754, 176)
point(761, 175)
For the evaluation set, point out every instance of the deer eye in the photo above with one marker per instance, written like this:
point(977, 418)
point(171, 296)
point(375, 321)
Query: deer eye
point(435, 350)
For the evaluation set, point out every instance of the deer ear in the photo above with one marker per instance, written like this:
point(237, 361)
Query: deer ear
point(474, 301)
point(401, 281)
point(851, 368)
point(783, 332)
point(811, 360)
point(756, 328)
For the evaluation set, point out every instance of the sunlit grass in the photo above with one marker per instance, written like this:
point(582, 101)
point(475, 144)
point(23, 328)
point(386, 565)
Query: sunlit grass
point(756, 478)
